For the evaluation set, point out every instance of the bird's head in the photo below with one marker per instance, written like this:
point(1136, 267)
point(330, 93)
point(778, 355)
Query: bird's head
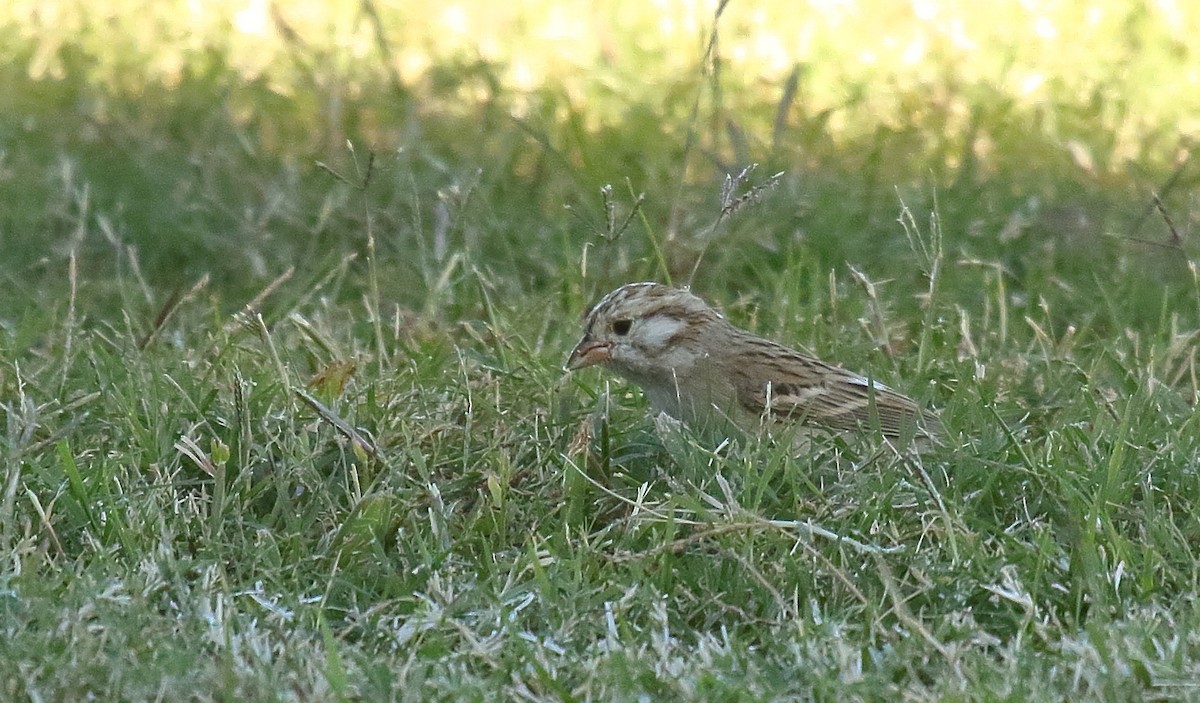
point(637, 331)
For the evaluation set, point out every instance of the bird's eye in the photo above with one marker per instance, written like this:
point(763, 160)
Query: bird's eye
point(621, 327)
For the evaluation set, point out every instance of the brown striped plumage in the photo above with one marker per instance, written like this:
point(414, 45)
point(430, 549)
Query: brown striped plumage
point(697, 367)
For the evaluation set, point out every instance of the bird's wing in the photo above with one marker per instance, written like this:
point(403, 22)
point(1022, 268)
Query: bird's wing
point(799, 388)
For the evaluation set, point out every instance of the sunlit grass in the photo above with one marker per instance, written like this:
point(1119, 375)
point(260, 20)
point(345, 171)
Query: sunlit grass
point(1065, 69)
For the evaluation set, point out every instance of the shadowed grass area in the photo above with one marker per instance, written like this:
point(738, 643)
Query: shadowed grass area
point(288, 292)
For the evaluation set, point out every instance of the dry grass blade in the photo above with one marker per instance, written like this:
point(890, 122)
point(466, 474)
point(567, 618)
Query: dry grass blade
point(338, 423)
point(168, 309)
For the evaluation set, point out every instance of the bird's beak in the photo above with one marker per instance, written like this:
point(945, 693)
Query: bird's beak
point(589, 353)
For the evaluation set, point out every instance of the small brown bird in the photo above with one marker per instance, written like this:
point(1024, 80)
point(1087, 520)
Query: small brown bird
point(695, 366)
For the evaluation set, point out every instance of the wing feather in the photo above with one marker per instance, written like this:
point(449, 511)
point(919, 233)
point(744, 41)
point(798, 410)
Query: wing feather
point(797, 387)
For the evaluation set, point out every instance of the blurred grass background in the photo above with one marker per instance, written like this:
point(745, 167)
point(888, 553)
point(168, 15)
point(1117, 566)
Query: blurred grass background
point(403, 208)
point(190, 130)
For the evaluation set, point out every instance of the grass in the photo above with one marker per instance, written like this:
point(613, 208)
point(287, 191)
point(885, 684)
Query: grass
point(276, 430)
